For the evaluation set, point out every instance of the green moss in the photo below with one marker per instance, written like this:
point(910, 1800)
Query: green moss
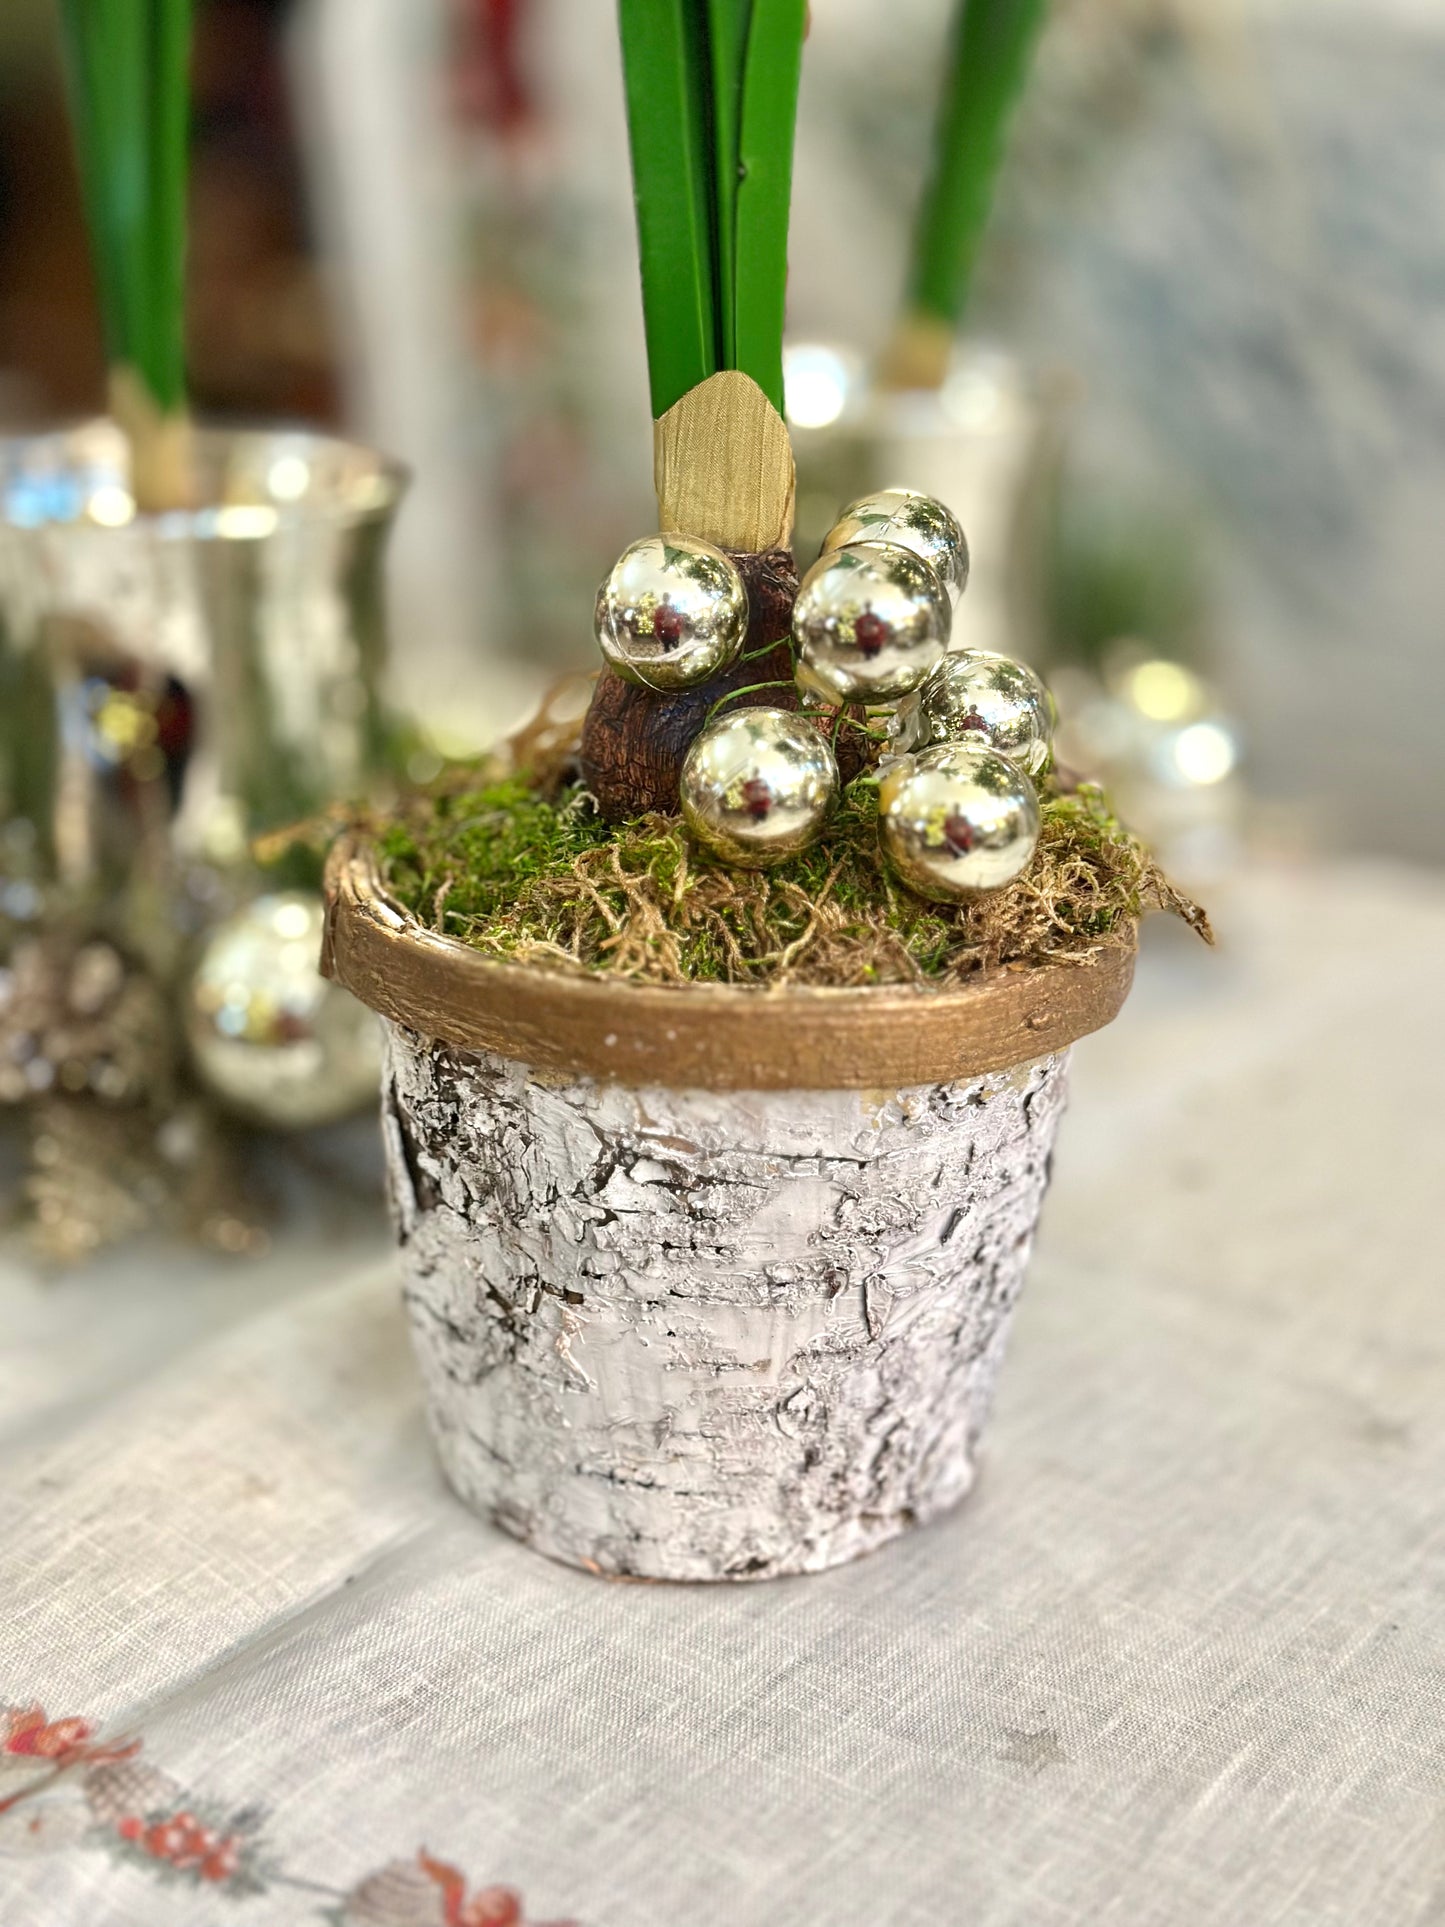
point(503, 868)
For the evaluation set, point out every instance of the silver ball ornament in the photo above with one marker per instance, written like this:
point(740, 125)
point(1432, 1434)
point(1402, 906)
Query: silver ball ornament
point(672, 612)
point(268, 1034)
point(758, 786)
point(957, 822)
point(870, 622)
point(908, 520)
point(985, 700)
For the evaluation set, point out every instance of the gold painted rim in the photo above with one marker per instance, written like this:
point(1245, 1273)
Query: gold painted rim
point(718, 1037)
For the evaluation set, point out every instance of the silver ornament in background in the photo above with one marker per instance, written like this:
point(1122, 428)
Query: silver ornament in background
point(956, 822)
point(870, 622)
point(910, 521)
point(976, 697)
point(672, 612)
point(758, 786)
point(268, 1034)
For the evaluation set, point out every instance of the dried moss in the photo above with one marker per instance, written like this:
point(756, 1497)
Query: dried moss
point(534, 878)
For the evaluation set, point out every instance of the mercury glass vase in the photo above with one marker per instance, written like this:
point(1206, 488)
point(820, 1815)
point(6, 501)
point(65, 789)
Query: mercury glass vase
point(175, 683)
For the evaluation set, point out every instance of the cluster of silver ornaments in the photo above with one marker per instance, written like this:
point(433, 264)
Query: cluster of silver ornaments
point(758, 786)
point(958, 812)
point(672, 612)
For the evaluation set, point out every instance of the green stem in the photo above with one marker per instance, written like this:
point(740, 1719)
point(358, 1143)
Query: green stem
point(170, 129)
point(664, 58)
point(728, 22)
point(712, 95)
point(765, 649)
point(842, 720)
point(992, 44)
point(747, 689)
point(128, 66)
point(765, 161)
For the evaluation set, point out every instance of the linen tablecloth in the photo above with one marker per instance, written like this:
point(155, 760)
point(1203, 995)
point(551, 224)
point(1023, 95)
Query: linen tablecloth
point(1178, 1662)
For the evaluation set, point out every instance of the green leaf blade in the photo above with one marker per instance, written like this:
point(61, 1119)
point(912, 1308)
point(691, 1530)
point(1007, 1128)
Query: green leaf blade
point(768, 119)
point(169, 149)
point(127, 64)
point(728, 22)
point(664, 57)
point(993, 42)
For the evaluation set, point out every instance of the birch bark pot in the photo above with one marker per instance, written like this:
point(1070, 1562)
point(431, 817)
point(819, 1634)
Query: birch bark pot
point(708, 1283)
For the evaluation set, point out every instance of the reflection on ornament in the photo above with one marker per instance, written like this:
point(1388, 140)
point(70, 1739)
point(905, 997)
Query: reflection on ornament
point(672, 612)
point(758, 786)
point(908, 520)
point(268, 1034)
point(133, 727)
point(870, 622)
point(977, 697)
point(957, 822)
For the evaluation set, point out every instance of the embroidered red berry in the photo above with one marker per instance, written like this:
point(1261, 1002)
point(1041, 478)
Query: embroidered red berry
point(132, 1827)
point(667, 625)
point(222, 1864)
point(870, 632)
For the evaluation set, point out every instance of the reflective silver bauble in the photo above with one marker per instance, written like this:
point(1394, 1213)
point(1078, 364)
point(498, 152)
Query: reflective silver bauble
point(870, 622)
point(957, 822)
point(976, 697)
point(672, 612)
point(910, 521)
point(268, 1034)
point(758, 785)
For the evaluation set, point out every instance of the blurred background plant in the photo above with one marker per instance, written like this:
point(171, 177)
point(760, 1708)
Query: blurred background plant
point(989, 53)
point(128, 63)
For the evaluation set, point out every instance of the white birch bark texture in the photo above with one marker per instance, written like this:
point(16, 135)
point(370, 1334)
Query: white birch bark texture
point(701, 1335)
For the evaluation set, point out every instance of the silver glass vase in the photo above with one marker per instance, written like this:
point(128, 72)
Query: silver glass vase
point(173, 684)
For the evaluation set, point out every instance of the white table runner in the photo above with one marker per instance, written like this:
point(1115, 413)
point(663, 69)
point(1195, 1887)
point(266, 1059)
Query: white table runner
point(1179, 1662)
